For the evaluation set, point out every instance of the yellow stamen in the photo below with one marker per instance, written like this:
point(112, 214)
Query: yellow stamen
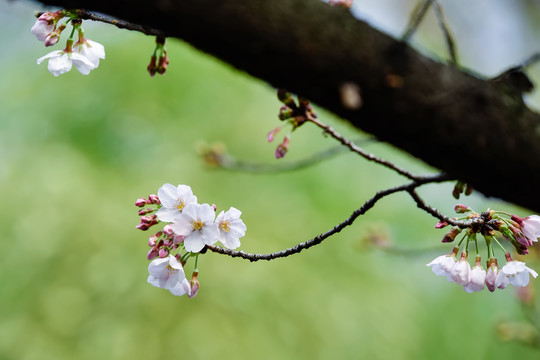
point(180, 205)
point(197, 225)
point(225, 226)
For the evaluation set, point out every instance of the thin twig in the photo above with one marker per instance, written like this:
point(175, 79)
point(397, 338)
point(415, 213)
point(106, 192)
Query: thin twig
point(353, 147)
point(446, 32)
point(478, 221)
point(228, 162)
point(336, 229)
point(416, 18)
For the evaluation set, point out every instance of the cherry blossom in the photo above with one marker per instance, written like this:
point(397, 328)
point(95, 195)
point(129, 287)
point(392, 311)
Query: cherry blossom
point(516, 273)
point(174, 199)
point(477, 278)
point(461, 272)
point(196, 223)
point(91, 50)
point(61, 61)
point(167, 273)
point(231, 228)
point(531, 228)
point(443, 264)
point(43, 26)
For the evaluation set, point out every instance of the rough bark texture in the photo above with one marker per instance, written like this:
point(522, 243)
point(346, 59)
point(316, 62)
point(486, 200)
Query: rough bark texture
point(476, 130)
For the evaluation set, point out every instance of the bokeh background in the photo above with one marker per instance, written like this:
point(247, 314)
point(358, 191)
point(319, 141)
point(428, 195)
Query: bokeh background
point(76, 151)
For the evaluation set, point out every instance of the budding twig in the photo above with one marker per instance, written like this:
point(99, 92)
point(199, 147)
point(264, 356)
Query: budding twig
point(228, 162)
point(354, 148)
point(336, 229)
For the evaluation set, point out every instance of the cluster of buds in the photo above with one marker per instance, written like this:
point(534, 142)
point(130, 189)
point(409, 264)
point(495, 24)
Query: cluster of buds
point(159, 60)
point(520, 232)
point(84, 54)
point(189, 228)
point(294, 114)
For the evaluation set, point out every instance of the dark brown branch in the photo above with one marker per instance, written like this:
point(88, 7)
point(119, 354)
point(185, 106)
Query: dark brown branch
point(336, 229)
point(474, 129)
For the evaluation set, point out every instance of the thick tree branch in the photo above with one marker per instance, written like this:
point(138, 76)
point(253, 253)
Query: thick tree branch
point(474, 129)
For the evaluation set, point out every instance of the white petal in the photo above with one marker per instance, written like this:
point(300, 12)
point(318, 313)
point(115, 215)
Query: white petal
point(167, 195)
point(167, 214)
point(194, 242)
point(49, 55)
point(157, 266)
point(59, 65)
point(82, 63)
point(181, 225)
point(210, 234)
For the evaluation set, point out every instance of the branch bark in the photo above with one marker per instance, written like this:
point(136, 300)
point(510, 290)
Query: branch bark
point(474, 129)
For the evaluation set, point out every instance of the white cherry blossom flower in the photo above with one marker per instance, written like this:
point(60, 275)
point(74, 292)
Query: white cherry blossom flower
point(516, 273)
point(461, 272)
point(196, 223)
point(443, 265)
point(531, 228)
point(477, 279)
point(60, 62)
point(491, 276)
point(231, 228)
point(167, 273)
point(173, 200)
point(91, 50)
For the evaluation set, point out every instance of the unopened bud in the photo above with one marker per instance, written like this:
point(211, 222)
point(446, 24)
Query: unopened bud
point(194, 284)
point(163, 252)
point(272, 134)
point(141, 202)
point(451, 235)
point(468, 190)
point(154, 199)
point(282, 148)
point(145, 211)
point(461, 209)
point(152, 66)
point(441, 224)
point(152, 253)
point(167, 229)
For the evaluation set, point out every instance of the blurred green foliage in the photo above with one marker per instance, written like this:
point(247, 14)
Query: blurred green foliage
point(75, 153)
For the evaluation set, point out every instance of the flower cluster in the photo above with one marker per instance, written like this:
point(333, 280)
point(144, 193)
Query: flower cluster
point(159, 60)
point(84, 54)
point(190, 228)
point(294, 115)
point(520, 232)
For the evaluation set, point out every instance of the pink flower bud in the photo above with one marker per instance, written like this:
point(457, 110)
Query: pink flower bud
point(461, 209)
point(152, 253)
point(272, 134)
point(451, 235)
point(517, 219)
point(214, 207)
point(163, 252)
point(154, 199)
point(441, 224)
point(282, 148)
point(140, 202)
point(167, 229)
point(194, 284)
point(163, 63)
point(152, 66)
point(145, 211)
point(152, 241)
point(142, 226)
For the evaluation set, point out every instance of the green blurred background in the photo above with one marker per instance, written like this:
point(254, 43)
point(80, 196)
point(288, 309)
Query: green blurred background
point(76, 151)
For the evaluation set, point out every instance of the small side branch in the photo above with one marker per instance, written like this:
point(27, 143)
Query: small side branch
point(354, 148)
point(450, 43)
point(336, 229)
point(228, 162)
